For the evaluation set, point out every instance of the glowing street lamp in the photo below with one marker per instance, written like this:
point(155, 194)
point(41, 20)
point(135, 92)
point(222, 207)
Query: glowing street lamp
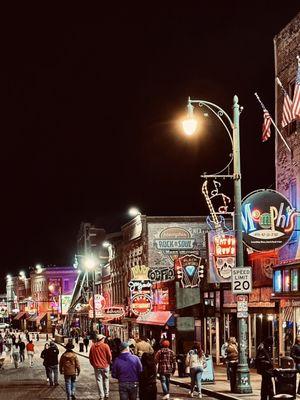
point(233, 131)
point(133, 212)
point(90, 263)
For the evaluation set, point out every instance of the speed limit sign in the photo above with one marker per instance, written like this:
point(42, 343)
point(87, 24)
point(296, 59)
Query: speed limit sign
point(241, 280)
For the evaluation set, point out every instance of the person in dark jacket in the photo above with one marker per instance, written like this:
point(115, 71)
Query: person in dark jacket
point(264, 366)
point(51, 363)
point(21, 345)
point(295, 354)
point(148, 389)
point(43, 353)
point(86, 342)
point(127, 369)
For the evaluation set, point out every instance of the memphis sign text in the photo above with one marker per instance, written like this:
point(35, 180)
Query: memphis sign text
point(268, 220)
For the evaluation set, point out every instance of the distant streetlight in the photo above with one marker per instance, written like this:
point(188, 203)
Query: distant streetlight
point(133, 212)
point(38, 268)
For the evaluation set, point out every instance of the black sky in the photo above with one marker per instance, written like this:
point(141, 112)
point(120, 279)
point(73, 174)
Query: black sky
point(90, 114)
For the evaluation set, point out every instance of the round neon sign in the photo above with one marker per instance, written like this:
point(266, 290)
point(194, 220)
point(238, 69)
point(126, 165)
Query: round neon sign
point(268, 220)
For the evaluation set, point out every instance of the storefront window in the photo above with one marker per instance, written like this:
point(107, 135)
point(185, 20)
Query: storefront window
point(286, 280)
point(277, 281)
point(294, 280)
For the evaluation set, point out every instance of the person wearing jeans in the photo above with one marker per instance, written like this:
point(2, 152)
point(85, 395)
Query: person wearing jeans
point(100, 358)
point(127, 369)
point(51, 363)
point(196, 361)
point(102, 380)
point(166, 365)
point(69, 366)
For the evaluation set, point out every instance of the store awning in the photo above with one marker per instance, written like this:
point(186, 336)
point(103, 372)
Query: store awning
point(37, 318)
point(20, 315)
point(155, 318)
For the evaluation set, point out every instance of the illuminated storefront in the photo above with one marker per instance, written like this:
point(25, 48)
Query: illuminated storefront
point(286, 290)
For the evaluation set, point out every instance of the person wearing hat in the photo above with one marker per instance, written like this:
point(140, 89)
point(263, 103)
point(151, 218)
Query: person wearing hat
point(127, 368)
point(69, 366)
point(166, 365)
point(100, 359)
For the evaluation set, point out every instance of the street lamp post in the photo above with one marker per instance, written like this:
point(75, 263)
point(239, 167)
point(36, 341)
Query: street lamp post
point(243, 376)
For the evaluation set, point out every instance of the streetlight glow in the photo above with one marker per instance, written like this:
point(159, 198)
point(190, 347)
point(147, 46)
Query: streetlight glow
point(8, 277)
point(133, 211)
point(90, 263)
point(106, 244)
point(189, 126)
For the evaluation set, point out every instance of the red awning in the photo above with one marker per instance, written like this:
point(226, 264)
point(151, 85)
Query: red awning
point(155, 318)
point(20, 315)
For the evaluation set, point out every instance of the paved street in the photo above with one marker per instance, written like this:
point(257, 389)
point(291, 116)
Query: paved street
point(30, 383)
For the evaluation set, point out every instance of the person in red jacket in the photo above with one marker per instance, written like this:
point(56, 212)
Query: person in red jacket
point(100, 358)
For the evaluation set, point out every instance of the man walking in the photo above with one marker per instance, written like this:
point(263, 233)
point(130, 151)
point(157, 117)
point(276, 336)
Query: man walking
point(127, 369)
point(142, 346)
point(166, 361)
point(69, 366)
point(100, 359)
point(51, 363)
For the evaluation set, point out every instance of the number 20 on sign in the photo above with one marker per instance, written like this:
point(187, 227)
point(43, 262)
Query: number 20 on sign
point(241, 280)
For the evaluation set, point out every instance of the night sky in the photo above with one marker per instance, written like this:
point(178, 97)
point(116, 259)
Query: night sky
point(91, 110)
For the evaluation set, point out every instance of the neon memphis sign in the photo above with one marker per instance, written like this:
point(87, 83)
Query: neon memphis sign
point(268, 220)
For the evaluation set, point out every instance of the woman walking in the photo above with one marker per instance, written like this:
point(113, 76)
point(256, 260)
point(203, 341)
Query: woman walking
point(196, 361)
point(232, 359)
point(30, 352)
point(16, 355)
point(147, 383)
point(43, 355)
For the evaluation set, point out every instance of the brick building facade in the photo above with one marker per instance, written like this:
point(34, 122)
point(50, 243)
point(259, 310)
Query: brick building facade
point(287, 164)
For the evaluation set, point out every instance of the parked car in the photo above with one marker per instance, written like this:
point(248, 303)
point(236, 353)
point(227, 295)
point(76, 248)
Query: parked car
point(4, 325)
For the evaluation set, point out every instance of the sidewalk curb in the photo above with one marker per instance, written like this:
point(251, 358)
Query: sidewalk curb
point(209, 392)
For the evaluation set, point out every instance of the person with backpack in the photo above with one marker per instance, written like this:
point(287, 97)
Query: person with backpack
point(69, 366)
point(264, 366)
point(196, 361)
point(166, 366)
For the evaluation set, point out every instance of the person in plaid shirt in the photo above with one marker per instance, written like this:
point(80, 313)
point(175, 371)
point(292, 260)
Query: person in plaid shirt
point(166, 366)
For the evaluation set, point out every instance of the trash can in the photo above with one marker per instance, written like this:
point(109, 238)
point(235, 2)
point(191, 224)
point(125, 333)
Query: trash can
point(232, 365)
point(285, 381)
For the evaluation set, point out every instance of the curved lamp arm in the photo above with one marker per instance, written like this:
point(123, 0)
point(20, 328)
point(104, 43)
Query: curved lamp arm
point(220, 114)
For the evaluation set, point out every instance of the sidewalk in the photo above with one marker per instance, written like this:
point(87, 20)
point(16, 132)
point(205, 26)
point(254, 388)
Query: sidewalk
point(221, 388)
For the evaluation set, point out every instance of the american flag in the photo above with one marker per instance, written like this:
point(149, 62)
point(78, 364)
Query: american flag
point(287, 110)
point(296, 98)
point(266, 126)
